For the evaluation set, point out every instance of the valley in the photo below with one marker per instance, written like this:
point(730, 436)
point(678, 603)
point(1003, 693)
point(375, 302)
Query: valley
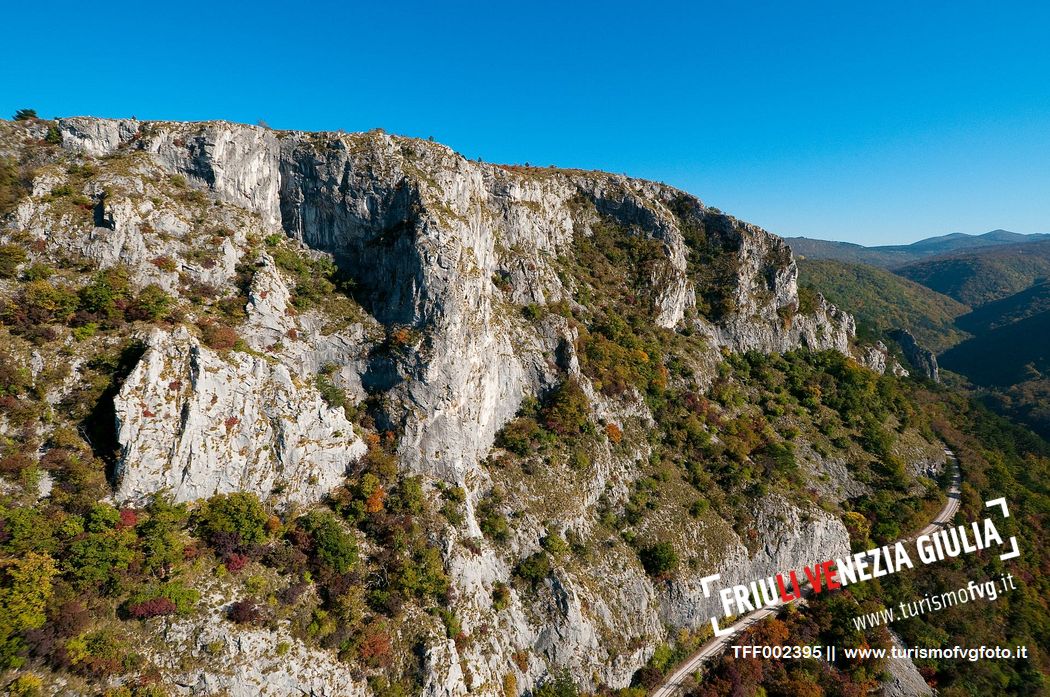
point(983, 311)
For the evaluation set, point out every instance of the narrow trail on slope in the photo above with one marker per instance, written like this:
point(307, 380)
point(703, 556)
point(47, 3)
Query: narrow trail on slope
point(673, 682)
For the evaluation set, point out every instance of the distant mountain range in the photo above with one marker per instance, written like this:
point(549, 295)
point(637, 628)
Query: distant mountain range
point(982, 275)
point(893, 256)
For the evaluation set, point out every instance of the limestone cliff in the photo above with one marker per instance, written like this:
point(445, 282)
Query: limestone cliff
point(196, 425)
point(460, 286)
point(424, 231)
point(920, 357)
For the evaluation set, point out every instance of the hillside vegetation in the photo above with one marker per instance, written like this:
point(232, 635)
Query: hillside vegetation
point(999, 346)
point(1006, 358)
point(996, 458)
point(976, 278)
point(1014, 361)
point(623, 470)
point(882, 301)
point(661, 404)
point(813, 250)
point(1028, 303)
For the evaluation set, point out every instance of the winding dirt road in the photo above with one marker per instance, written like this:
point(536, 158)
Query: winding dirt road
point(673, 682)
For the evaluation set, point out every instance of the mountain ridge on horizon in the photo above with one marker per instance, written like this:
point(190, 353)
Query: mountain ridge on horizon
point(893, 256)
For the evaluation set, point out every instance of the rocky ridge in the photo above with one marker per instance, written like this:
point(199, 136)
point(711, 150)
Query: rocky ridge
point(442, 253)
point(418, 226)
point(920, 357)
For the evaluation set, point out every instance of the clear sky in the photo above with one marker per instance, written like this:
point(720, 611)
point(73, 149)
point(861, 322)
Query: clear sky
point(869, 122)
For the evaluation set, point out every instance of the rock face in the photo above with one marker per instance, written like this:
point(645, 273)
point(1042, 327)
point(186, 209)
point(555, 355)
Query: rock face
point(443, 254)
point(243, 663)
point(877, 357)
point(194, 423)
point(795, 535)
point(920, 357)
point(98, 137)
point(424, 232)
point(765, 301)
point(903, 679)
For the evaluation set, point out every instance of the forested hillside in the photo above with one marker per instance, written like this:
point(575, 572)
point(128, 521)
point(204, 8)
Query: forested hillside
point(883, 301)
point(977, 278)
point(998, 313)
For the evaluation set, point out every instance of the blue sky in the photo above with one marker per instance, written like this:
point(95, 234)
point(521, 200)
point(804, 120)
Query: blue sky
point(874, 123)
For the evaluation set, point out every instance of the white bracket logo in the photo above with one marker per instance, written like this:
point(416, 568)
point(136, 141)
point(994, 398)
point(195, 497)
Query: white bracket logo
point(1001, 502)
point(705, 583)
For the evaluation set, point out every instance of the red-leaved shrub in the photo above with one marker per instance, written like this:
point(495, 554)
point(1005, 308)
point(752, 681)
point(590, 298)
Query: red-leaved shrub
point(154, 607)
point(128, 519)
point(246, 611)
point(235, 562)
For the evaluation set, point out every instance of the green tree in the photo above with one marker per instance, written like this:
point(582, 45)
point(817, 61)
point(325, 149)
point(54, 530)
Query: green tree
point(26, 685)
point(25, 115)
point(558, 685)
point(568, 412)
point(182, 598)
point(493, 524)
point(335, 547)
point(97, 559)
point(239, 514)
point(27, 530)
point(409, 497)
point(46, 302)
point(519, 436)
point(102, 517)
point(11, 256)
point(658, 559)
point(100, 296)
point(25, 589)
point(555, 544)
point(150, 304)
point(534, 568)
point(161, 537)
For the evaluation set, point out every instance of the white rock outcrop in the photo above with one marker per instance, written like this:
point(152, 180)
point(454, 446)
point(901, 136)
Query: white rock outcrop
point(246, 662)
point(903, 679)
point(792, 538)
point(196, 423)
point(424, 231)
point(877, 357)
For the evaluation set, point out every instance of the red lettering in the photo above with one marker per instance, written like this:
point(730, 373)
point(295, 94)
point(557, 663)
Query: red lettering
point(786, 596)
point(829, 576)
point(814, 577)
